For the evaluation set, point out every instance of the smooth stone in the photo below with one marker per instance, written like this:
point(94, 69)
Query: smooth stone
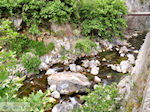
point(85, 63)
point(73, 67)
point(50, 71)
point(43, 66)
point(55, 94)
point(94, 63)
point(95, 70)
point(97, 79)
point(125, 66)
point(64, 107)
point(69, 82)
point(79, 68)
point(52, 88)
point(131, 58)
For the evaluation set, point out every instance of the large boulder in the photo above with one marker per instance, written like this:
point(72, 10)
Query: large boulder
point(69, 82)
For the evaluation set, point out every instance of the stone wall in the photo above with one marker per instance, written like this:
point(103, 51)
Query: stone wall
point(135, 88)
point(138, 22)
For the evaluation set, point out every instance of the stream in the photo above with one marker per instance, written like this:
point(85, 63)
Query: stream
point(35, 82)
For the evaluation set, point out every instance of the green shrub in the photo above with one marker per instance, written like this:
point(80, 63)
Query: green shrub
point(85, 45)
point(102, 99)
point(19, 43)
point(7, 62)
point(34, 29)
point(31, 62)
point(9, 89)
point(103, 18)
point(40, 48)
point(6, 31)
point(56, 11)
point(36, 102)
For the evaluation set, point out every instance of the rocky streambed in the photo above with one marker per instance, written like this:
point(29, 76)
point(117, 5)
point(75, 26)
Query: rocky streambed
point(70, 78)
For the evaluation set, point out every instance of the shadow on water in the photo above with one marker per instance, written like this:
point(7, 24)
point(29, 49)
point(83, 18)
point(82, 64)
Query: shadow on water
point(137, 41)
point(33, 83)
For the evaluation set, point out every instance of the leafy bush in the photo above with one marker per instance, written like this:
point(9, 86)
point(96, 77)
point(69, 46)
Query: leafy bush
point(30, 62)
point(37, 102)
point(102, 99)
point(20, 43)
point(40, 48)
point(6, 31)
point(85, 45)
point(104, 18)
point(7, 62)
point(34, 29)
point(9, 89)
point(56, 11)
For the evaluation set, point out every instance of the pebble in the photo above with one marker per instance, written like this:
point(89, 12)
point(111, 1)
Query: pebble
point(95, 70)
point(55, 94)
point(97, 79)
point(52, 88)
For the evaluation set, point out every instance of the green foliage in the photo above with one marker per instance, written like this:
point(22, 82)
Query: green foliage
point(7, 62)
point(6, 31)
point(85, 45)
point(9, 89)
point(102, 99)
point(19, 43)
point(34, 29)
point(35, 12)
point(40, 48)
point(30, 62)
point(103, 18)
point(22, 44)
point(37, 102)
point(56, 11)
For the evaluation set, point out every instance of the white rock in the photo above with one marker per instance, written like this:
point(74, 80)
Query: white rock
point(97, 79)
point(95, 70)
point(43, 66)
point(63, 107)
point(85, 63)
point(104, 59)
point(50, 71)
point(113, 67)
point(52, 88)
point(135, 51)
point(69, 82)
point(88, 70)
point(66, 62)
point(55, 94)
point(123, 49)
point(125, 66)
point(73, 67)
point(122, 54)
point(73, 100)
point(94, 63)
point(131, 58)
point(79, 68)
point(118, 69)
